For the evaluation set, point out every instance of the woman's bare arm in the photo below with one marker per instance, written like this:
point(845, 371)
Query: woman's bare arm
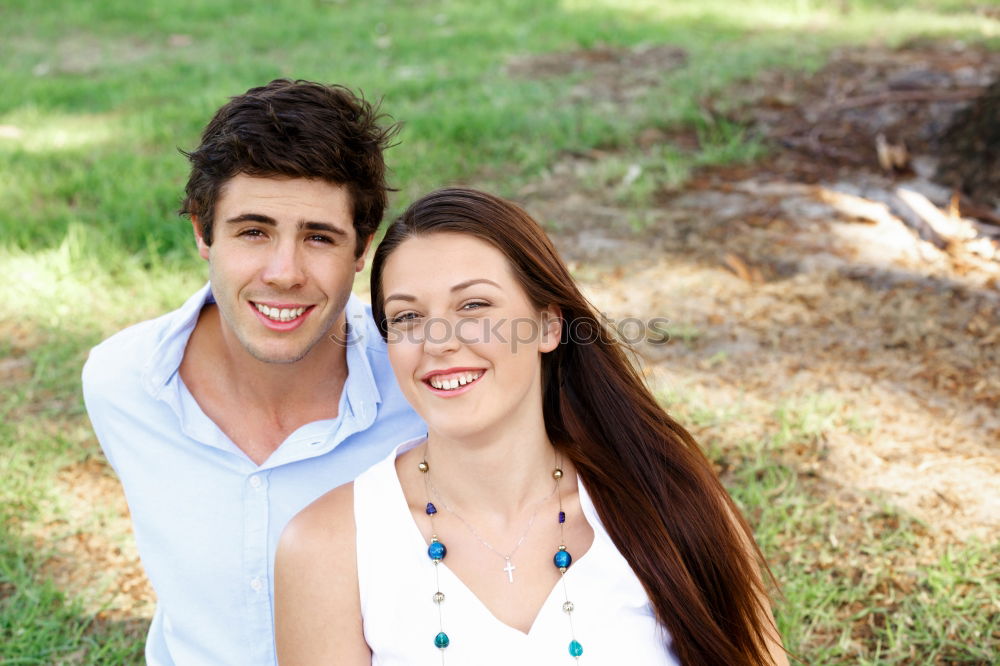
point(317, 606)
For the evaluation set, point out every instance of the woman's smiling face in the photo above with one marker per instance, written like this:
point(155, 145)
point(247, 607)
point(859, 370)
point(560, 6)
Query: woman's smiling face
point(464, 340)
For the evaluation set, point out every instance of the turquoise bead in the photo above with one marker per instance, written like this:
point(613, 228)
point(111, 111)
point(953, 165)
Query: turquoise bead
point(436, 551)
point(575, 649)
point(562, 559)
point(442, 641)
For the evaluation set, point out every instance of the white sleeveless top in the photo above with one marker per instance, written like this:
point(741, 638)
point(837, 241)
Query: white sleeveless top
point(613, 618)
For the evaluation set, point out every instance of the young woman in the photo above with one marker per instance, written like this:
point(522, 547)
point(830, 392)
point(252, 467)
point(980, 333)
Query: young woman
point(553, 513)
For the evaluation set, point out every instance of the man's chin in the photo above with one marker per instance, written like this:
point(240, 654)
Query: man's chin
point(276, 354)
point(277, 357)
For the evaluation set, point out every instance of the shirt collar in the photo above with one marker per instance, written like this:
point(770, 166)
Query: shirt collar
point(166, 359)
point(361, 390)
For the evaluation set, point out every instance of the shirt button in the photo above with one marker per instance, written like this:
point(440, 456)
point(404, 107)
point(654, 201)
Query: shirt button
point(256, 585)
point(255, 482)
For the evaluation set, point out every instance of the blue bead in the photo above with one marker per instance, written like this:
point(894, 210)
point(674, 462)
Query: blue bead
point(442, 641)
point(436, 551)
point(562, 559)
point(431, 509)
point(575, 649)
point(562, 517)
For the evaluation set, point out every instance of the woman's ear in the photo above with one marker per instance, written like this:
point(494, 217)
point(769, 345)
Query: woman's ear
point(551, 329)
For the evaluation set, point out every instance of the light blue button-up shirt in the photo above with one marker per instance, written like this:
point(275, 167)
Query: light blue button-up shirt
point(206, 517)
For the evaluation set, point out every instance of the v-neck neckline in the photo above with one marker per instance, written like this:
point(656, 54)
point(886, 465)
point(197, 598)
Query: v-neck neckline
point(589, 514)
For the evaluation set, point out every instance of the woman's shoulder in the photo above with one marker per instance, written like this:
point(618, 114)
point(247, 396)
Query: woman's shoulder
point(317, 607)
point(326, 524)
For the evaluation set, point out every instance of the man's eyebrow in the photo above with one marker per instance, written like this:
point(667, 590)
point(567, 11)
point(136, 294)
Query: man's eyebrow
point(253, 217)
point(468, 283)
point(309, 225)
point(322, 226)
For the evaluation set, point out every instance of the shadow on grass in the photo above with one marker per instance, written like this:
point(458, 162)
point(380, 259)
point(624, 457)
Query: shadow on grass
point(40, 624)
point(42, 430)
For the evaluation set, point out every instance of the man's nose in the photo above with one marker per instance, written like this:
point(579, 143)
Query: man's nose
point(284, 267)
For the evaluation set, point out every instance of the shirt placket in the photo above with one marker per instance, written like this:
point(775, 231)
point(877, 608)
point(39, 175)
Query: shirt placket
point(255, 567)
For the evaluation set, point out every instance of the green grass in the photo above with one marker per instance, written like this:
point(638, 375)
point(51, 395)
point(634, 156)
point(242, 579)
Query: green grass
point(855, 587)
point(39, 625)
point(98, 97)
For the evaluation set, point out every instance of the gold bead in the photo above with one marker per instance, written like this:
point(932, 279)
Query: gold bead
point(557, 474)
point(423, 466)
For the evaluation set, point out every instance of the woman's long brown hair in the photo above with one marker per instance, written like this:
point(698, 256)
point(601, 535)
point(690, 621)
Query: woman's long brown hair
point(652, 486)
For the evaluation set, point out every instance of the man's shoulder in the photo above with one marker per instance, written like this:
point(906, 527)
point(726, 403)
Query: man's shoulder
point(117, 363)
point(127, 353)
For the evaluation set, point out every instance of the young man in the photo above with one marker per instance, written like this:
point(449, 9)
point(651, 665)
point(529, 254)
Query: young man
point(270, 385)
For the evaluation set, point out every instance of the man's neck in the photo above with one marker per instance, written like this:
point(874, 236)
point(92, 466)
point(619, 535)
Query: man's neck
point(256, 403)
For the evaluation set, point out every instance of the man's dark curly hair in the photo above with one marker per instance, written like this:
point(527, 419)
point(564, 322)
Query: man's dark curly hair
point(294, 129)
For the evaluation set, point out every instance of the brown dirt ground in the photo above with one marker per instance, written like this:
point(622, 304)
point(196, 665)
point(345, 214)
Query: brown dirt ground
point(781, 289)
point(775, 291)
point(95, 554)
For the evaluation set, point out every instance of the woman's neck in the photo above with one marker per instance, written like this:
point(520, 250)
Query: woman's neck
point(501, 473)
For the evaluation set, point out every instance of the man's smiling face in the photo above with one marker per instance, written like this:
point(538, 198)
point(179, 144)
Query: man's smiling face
point(282, 262)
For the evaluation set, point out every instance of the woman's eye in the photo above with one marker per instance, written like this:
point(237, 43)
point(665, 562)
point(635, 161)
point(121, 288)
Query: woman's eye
point(475, 305)
point(402, 317)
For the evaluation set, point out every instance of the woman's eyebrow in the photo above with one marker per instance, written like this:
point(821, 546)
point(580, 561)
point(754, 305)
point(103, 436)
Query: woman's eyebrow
point(458, 287)
point(399, 297)
point(468, 283)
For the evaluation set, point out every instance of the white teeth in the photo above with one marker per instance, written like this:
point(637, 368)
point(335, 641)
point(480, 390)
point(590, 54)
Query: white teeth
point(454, 382)
point(279, 314)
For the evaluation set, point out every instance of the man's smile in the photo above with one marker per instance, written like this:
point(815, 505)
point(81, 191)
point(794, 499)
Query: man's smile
point(281, 313)
point(283, 317)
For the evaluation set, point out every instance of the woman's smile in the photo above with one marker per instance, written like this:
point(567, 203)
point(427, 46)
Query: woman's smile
point(453, 381)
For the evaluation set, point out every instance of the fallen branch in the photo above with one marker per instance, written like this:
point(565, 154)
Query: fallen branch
point(812, 145)
point(855, 207)
point(909, 217)
point(969, 208)
point(936, 226)
point(952, 229)
point(903, 96)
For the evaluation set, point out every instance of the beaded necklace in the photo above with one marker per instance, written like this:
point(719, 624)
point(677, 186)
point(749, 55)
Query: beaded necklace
point(437, 551)
point(509, 567)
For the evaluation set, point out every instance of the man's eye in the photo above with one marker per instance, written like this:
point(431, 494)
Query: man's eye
point(321, 239)
point(253, 233)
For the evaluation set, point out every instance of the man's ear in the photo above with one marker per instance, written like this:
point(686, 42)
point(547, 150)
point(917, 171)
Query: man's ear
point(360, 263)
point(199, 239)
point(551, 328)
